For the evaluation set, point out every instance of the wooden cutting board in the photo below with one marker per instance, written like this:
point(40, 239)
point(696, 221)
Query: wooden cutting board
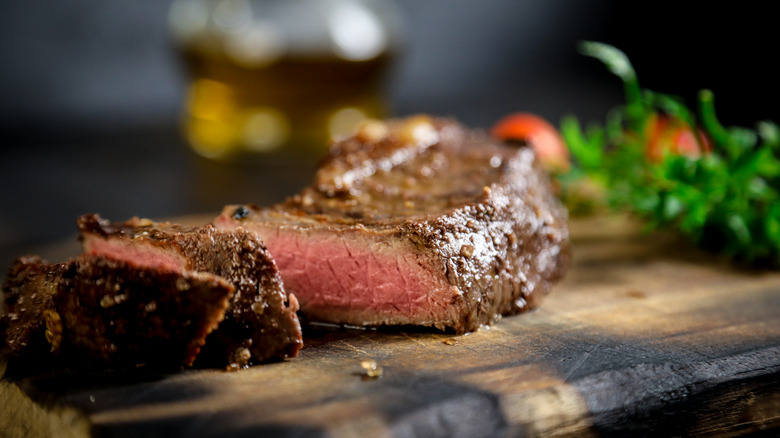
point(644, 336)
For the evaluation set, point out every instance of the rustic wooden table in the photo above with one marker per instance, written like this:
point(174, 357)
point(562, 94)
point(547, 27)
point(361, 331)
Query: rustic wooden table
point(644, 337)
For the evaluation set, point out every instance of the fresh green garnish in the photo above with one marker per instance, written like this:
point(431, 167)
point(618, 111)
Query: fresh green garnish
point(679, 169)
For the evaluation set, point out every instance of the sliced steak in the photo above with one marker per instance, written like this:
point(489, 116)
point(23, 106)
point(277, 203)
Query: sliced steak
point(99, 310)
point(261, 321)
point(417, 221)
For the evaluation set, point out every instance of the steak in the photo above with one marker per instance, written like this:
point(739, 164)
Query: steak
point(109, 311)
point(417, 221)
point(260, 322)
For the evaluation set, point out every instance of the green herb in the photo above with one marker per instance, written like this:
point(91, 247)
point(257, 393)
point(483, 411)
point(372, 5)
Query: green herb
point(679, 170)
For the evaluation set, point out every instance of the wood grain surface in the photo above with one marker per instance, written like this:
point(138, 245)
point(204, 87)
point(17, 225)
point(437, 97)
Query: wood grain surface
point(644, 337)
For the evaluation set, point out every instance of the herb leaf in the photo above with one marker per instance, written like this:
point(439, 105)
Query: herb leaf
point(681, 169)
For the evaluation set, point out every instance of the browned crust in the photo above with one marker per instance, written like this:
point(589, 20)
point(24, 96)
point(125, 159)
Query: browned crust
point(98, 310)
point(500, 235)
point(261, 321)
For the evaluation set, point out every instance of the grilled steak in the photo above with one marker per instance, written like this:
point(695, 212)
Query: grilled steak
point(108, 311)
point(417, 221)
point(260, 322)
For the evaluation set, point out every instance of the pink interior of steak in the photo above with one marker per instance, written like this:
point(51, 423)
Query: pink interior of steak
point(134, 254)
point(354, 279)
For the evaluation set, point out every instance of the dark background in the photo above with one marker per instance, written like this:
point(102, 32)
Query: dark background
point(91, 91)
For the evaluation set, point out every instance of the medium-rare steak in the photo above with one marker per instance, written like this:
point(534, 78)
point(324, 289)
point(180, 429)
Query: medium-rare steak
point(417, 221)
point(260, 322)
point(99, 310)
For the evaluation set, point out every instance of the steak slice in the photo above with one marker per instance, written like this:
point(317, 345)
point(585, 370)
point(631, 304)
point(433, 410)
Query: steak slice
point(417, 221)
point(107, 311)
point(261, 321)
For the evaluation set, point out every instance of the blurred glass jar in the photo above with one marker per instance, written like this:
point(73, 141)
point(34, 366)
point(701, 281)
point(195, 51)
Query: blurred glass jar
point(278, 79)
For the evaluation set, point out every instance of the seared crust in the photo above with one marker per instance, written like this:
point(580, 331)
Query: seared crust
point(481, 214)
point(28, 292)
point(261, 321)
point(99, 310)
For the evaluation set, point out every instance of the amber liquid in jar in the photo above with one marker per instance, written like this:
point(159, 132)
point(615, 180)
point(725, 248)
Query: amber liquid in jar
point(287, 110)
